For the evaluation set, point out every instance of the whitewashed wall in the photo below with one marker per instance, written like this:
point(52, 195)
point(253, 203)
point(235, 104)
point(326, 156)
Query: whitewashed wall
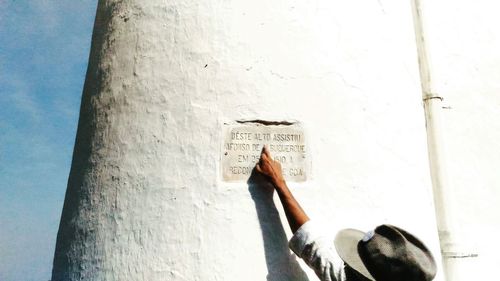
point(462, 41)
point(145, 198)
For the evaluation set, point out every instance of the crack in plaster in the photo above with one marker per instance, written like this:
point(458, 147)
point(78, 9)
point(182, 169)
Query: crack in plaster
point(267, 122)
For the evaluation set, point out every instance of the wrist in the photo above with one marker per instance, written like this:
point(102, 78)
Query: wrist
point(279, 184)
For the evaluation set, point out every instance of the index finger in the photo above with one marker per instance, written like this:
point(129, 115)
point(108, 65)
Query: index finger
point(265, 150)
point(263, 154)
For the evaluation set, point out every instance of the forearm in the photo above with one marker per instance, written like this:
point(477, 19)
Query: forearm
point(295, 215)
point(272, 170)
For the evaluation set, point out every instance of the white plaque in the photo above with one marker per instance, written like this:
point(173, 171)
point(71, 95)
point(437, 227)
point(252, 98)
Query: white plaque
point(243, 144)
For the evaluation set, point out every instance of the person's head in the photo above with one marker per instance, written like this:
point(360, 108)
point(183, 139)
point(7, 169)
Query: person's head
point(388, 253)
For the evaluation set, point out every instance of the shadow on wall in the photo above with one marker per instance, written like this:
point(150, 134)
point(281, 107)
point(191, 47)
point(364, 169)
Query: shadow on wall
point(281, 264)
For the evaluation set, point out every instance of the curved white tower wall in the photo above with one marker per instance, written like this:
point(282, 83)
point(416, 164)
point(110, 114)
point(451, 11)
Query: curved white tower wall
point(147, 198)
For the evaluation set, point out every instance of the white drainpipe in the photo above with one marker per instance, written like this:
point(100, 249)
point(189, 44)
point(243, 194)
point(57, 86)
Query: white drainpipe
point(456, 255)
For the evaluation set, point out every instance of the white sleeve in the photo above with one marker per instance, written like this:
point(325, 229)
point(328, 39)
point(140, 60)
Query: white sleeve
point(318, 253)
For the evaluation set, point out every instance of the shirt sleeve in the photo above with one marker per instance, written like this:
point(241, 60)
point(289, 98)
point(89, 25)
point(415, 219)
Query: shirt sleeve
point(317, 251)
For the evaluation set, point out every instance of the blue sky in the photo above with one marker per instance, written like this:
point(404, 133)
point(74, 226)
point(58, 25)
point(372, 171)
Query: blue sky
point(44, 47)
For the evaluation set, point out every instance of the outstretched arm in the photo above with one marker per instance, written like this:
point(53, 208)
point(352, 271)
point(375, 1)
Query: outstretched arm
point(307, 243)
point(272, 170)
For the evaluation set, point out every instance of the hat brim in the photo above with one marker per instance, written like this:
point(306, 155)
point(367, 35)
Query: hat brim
point(346, 244)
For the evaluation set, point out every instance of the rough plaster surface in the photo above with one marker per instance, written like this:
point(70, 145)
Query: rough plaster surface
point(145, 199)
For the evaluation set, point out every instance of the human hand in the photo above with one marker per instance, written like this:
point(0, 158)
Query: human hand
point(269, 167)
